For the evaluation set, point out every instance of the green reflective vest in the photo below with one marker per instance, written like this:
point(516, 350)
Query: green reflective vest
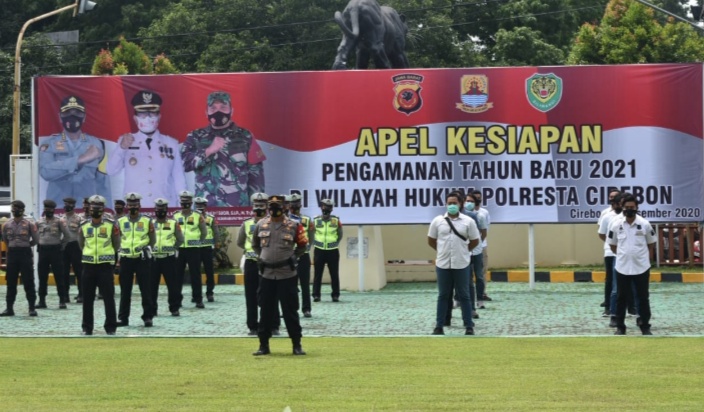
point(98, 243)
point(248, 227)
point(165, 238)
point(190, 225)
point(326, 233)
point(209, 235)
point(135, 235)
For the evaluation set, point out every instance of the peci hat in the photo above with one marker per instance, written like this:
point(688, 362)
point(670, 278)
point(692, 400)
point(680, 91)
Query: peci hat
point(18, 204)
point(70, 200)
point(72, 102)
point(146, 101)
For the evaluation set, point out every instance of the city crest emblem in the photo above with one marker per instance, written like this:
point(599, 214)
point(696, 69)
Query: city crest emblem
point(474, 93)
point(407, 89)
point(544, 91)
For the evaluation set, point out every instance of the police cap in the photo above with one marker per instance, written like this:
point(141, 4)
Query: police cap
point(146, 101)
point(276, 199)
point(295, 197)
point(70, 200)
point(185, 194)
point(96, 200)
point(327, 202)
point(49, 203)
point(161, 202)
point(133, 197)
point(72, 102)
point(200, 201)
point(287, 198)
point(119, 202)
point(219, 96)
point(18, 204)
point(260, 197)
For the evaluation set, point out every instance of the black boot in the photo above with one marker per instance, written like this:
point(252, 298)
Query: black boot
point(8, 312)
point(42, 303)
point(263, 348)
point(32, 310)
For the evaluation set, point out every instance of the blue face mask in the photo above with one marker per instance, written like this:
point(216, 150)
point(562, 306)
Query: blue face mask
point(469, 205)
point(453, 209)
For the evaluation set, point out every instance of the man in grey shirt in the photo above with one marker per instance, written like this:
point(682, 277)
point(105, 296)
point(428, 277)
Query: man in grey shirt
point(52, 231)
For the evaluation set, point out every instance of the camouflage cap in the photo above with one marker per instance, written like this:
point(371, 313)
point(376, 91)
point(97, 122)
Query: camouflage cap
point(133, 197)
point(326, 202)
point(276, 199)
point(49, 203)
point(219, 96)
point(161, 202)
point(259, 197)
point(72, 102)
point(200, 201)
point(146, 101)
point(185, 194)
point(18, 204)
point(70, 200)
point(295, 197)
point(96, 200)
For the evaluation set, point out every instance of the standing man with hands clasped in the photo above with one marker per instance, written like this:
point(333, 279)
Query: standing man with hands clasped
point(453, 235)
point(631, 238)
point(20, 234)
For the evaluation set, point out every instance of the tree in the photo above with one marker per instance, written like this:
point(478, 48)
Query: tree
point(129, 58)
point(629, 32)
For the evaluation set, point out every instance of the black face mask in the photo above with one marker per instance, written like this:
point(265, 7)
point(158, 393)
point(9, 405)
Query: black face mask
point(326, 211)
point(276, 209)
point(186, 205)
point(49, 214)
point(119, 210)
point(260, 212)
point(629, 213)
point(295, 208)
point(477, 202)
point(17, 212)
point(68, 208)
point(72, 123)
point(219, 119)
point(97, 214)
point(160, 214)
point(618, 209)
point(134, 211)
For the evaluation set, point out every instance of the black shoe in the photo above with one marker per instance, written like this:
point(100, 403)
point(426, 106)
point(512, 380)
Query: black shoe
point(475, 315)
point(148, 323)
point(275, 332)
point(122, 323)
point(632, 311)
point(62, 305)
point(316, 299)
point(263, 350)
point(487, 298)
point(335, 299)
point(639, 322)
point(8, 312)
point(620, 332)
point(175, 313)
point(193, 300)
point(298, 351)
point(606, 314)
point(32, 312)
point(469, 331)
point(612, 322)
point(448, 323)
point(87, 332)
point(112, 332)
point(99, 297)
point(41, 304)
point(210, 297)
point(438, 331)
point(646, 332)
point(252, 332)
point(200, 305)
point(306, 314)
point(603, 305)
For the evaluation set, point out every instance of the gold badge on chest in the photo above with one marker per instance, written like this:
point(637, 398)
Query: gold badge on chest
point(133, 161)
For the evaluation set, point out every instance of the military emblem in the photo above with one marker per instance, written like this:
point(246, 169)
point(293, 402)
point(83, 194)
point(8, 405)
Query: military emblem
point(544, 91)
point(407, 89)
point(474, 93)
point(147, 98)
point(133, 161)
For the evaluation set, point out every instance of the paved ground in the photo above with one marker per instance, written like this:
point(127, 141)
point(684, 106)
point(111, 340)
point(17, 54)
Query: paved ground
point(401, 309)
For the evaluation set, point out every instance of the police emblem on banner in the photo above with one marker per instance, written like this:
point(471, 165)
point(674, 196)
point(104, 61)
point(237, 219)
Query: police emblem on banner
point(407, 89)
point(474, 93)
point(544, 91)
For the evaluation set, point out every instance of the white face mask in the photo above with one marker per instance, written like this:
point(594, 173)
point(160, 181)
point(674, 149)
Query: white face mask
point(147, 125)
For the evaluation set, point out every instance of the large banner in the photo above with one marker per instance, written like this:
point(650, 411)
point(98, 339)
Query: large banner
point(543, 144)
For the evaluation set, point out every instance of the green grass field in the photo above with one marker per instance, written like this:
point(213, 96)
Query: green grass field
point(353, 374)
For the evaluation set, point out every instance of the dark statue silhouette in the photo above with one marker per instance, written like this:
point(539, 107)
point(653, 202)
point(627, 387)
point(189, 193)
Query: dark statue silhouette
point(377, 32)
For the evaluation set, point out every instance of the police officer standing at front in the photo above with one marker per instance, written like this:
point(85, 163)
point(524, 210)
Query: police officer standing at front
point(20, 235)
point(328, 233)
point(194, 232)
point(206, 248)
point(72, 251)
point(303, 269)
point(137, 231)
point(51, 231)
point(168, 238)
point(98, 238)
point(274, 240)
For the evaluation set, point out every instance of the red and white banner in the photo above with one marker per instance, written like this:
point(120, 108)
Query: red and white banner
point(543, 144)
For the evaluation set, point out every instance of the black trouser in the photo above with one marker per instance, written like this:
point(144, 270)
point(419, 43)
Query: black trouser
point(99, 276)
point(20, 262)
point(642, 285)
point(72, 258)
point(166, 266)
point(129, 267)
point(303, 272)
point(330, 257)
point(251, 290)
point(270, 293)
point(206, 258)
point(608, 282)
point(190, 256)
point(51, 256)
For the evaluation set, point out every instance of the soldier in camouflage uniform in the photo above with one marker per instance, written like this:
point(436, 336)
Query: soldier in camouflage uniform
point(226, 159)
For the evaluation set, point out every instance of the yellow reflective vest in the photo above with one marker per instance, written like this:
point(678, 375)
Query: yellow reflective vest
point(98, 243)
point(190, 225)
point(135, 235)
point(326, 233)
point(165, 238)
